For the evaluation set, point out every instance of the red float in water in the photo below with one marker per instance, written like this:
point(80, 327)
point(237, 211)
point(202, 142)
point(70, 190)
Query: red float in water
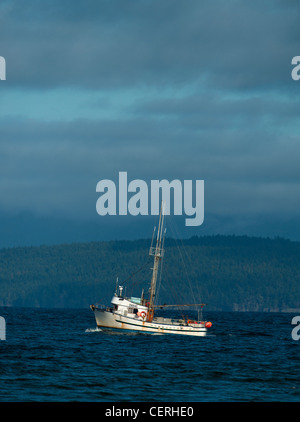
point(208, 324)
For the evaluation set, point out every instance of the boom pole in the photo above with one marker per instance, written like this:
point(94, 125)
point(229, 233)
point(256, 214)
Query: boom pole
point(158, 253)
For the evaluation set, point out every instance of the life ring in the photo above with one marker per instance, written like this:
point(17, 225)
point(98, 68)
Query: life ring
point(143, 314)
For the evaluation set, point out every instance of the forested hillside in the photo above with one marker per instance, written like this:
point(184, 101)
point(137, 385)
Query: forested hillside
point(225, 272)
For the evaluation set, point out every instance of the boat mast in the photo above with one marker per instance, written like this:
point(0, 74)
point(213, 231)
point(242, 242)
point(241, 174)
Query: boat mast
point(158, 253)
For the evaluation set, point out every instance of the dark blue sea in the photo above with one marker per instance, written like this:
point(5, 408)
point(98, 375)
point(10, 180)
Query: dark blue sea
point(58, 355)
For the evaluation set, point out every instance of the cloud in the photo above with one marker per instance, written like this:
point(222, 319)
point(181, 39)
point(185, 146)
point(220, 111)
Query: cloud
point(100, 45)
point(172, 89)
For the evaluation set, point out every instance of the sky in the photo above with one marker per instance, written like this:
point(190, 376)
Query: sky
point(172, 89)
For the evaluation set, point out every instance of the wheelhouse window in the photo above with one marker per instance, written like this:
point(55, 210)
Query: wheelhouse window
point(132, 311)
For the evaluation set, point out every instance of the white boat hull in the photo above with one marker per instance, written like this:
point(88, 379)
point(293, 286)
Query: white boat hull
point(114, 320)
point(137, 313)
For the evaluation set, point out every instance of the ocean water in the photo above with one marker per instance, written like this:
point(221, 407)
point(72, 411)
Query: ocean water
point(58, 355)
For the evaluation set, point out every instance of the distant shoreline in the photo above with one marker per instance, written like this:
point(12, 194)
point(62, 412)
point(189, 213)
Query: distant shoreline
point(228, 273)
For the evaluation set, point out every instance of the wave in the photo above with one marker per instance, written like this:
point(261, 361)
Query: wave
point(93, 330)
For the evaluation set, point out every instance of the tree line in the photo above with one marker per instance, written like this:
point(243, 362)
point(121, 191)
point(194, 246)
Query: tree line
point(225, 272)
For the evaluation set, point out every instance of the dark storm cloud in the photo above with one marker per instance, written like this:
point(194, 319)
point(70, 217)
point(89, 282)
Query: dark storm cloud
point(232, 45)
point(219, 104)
point(245, 150)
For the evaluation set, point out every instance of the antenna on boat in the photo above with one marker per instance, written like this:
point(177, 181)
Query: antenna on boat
point(117, 282)
point(152, 239)
point(142, 297)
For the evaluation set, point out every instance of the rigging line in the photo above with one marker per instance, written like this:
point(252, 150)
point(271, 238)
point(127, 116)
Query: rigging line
point(174, 292)
point(175, 295)
point(173, 227)
point(167, 287)
point(136, 272)
point(183, 251)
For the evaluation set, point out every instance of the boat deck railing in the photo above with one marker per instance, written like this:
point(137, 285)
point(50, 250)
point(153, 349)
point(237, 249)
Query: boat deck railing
point(102, 307)
point(156, 320)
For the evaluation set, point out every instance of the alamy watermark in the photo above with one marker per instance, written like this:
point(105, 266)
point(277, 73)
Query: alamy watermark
point(296, 330)
point(2, 328)
point(296, 69)
point(116, 201)
point(2, 69)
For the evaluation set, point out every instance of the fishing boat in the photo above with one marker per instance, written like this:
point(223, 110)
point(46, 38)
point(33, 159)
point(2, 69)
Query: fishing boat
point(138, 313)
